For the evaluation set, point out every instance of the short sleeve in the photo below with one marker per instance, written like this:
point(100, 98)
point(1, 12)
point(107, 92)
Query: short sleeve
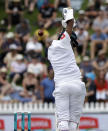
point(86, 34)
point(93, 37)
point(13, 64)
point(104, 36)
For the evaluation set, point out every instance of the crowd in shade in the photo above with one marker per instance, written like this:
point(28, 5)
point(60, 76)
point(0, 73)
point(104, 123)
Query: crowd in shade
point(25, 72)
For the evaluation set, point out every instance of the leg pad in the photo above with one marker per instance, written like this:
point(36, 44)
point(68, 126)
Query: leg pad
point(73, 126)
point(63, 126)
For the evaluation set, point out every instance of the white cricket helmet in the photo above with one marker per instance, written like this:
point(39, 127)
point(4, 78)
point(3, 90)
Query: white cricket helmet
point(68, 14)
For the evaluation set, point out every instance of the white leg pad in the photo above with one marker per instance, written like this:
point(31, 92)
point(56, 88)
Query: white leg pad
point(72, 126)
point(63, 125)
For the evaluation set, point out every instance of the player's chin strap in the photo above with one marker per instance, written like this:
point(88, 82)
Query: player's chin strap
point(73, 38)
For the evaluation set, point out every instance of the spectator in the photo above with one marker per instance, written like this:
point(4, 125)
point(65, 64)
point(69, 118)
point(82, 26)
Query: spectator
point(36, 66)
point(41, 34)
point(30, 5)
point(41, 3)
point(46, 15)
point(48, 86)
point(97, 42)
point(100, 22)
point(101, 86)
point(97, 5)
point(60, 4)
point(90, 12)
point(86, 65)
point(14, 12)
point(10, 40)
point(91, 89)
point(106, 7)
point(23, 32)
point(18, 67)
point(101, 62)
point(83, 20)
point(5, 87)
point(11, 56)
point(82, 37)
point(35, 46)
point(30, 85)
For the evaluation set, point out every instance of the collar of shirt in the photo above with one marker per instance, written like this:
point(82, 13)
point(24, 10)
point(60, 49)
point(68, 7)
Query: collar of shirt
point(65, 40)
point(63, 43)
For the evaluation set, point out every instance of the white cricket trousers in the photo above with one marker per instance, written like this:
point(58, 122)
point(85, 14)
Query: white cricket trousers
point(69, 100)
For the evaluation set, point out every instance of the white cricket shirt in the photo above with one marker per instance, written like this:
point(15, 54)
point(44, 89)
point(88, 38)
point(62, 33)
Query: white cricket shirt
point(62, 58)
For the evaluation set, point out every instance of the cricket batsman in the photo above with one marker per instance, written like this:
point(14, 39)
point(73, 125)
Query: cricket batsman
point(69, 90)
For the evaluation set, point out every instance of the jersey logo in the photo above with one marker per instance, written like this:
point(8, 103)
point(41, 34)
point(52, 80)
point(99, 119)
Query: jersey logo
point(63, 36)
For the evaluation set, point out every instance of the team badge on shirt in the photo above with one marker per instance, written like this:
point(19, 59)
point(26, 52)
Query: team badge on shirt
point(63, 36)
